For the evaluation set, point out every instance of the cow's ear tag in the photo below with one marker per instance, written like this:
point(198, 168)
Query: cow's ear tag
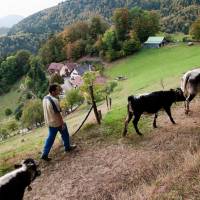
point(29, 188)
point(17, 166)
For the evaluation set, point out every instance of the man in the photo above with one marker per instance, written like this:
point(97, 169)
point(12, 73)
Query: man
point(54, 121)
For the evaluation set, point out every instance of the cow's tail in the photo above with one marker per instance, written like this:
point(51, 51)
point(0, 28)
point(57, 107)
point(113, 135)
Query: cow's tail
point(130, 103)
point(184, 82)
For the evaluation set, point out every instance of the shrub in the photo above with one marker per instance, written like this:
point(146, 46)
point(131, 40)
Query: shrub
point(130, 46)
point(8, 111)
point(11, 125)
point(4, 134)
point(187, 39)
point(110, 55)
point(73, 97)
point(32, 113)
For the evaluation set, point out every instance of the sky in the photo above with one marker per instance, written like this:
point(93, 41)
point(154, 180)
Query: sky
point(25, 7)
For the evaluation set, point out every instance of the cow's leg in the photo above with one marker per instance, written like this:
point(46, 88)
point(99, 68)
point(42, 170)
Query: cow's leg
point(154, 121)
point(168, 111)
point(185, 106)
point(135, 122)
point(128, 119)
point(187, 102)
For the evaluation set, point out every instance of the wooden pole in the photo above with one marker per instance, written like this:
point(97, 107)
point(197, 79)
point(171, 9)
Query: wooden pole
point(94, 104)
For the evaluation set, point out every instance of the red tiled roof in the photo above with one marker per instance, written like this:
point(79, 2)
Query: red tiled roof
point(71, 66)
point(55, 66)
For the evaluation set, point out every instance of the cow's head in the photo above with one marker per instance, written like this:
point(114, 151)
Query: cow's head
point(31, 166)
point(179, 94)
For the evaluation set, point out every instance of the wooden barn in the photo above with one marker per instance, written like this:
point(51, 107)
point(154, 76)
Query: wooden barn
point(155, 42)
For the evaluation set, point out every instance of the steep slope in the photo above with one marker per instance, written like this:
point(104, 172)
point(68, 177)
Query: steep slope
point(164, 164)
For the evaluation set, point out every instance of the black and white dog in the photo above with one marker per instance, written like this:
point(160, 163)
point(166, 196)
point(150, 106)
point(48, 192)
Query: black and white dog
point(14, 183)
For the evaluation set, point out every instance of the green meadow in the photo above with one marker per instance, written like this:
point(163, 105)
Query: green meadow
point(149, 69)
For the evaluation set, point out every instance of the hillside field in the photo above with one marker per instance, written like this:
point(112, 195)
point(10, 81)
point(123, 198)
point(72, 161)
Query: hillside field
point(105, 166)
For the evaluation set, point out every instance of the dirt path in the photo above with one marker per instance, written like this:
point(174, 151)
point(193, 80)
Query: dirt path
point(121, 171)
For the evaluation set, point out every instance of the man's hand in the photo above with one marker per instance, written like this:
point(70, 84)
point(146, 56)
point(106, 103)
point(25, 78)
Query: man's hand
point(63, 126)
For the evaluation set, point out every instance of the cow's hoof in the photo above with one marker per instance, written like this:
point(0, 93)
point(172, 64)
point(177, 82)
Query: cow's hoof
point(140, 134)
point(154, 126)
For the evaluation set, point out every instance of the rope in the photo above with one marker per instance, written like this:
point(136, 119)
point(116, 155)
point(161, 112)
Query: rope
point(84, 120)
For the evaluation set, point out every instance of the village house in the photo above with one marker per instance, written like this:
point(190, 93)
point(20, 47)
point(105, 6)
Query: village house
point(63, 69)
point(80, 70)
point(77, 73)
point(155, 42)
point(67, 69)
point(55, 68)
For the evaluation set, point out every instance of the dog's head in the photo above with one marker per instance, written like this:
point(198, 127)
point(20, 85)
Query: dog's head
point(31, 166)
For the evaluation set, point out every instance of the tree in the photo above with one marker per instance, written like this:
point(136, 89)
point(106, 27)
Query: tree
point(76, 49)
point(144, 23)
point(110, 40)
point(56, 78)
point(36, 80)
point(121, 22)
point(195, 29)
point(22, 59)
point(97, 27)
point(64, 106)
point(76, 31)
point(73, 97)
point(9, 70)
point(52, 50)
point(32, 113)
point(89, 80)
point(131, 45)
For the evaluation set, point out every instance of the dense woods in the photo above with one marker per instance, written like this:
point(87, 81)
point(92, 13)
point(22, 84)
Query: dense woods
point(95, 37)
point(176, 15)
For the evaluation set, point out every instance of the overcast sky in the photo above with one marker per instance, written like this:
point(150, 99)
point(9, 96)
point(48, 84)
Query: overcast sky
point(25, 7)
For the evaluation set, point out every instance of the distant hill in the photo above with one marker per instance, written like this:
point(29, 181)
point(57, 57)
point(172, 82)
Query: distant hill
point(176, 15)
point(10, 20)
point(4, 30)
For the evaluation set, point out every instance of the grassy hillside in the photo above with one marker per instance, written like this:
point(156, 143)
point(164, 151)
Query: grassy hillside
point(148, 67)
point(144, 71)
point(9, 100)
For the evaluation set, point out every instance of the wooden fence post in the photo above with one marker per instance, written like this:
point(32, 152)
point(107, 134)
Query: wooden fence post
point(94, 104)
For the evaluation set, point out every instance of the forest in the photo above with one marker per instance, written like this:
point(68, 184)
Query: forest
point(176, 16)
